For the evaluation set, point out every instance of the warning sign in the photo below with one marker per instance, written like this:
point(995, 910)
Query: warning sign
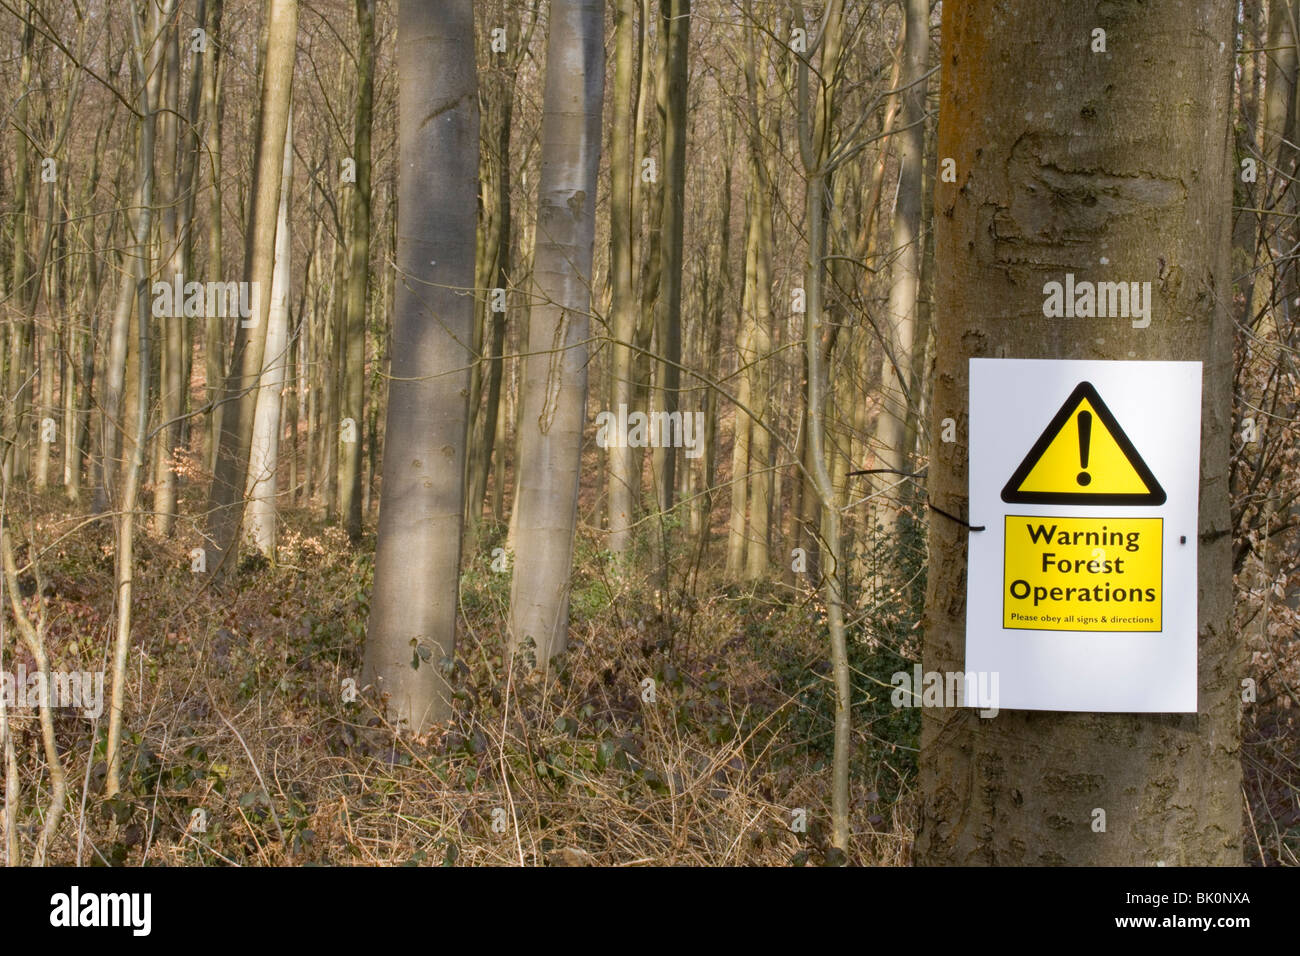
point(1082, 574)
point(1081, 585)
point(1084, 457)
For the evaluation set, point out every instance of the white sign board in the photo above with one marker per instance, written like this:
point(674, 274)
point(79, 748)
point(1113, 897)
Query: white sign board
point(1081, 589)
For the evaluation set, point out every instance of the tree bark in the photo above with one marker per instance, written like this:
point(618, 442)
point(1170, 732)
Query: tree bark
point(214, 333)
point(756, 309)
point(352, 394)
point(1113, 165)
point(264, 452)
point(555, 370)
point(897, 403)
point(24, 284)
point(414, 605)
point(225, 506)
point(668, 307)
point(173, 259)
point(124, 559)
point(623, 311)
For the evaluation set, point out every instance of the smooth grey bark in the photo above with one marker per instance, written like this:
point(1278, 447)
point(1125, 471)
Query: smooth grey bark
point(817, 154)
point(225, 505)
point(264, 452)
point(623, 307)
point(756, 309)
point(353, 327)
point(1064, 156)
point(25, 284)
point(897, 405)
point(1279, 120)
point(744, 429)
point(414, 604)
point(668, 307)
point(124, 570)
point(555, 369)
point(214, 337)
point(172, 256)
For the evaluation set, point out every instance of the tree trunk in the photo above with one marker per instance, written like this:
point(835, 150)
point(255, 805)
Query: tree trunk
point(623, 317)
point(743, 427)
point(264, 453)
point(555, 370)
point(668, 314)
point(494, 271)
point(331, 377)
point(757, 315)
point(173, 259)
point(1098, 174)
point(896, 402)
point(413, 609)
point(18, 386)
point(352, 393)
point(817, 109)
point(225, 511)
point(141, 268)
point(214, 332)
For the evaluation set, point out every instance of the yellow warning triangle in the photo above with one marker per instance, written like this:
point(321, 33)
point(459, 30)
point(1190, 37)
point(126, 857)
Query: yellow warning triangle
point(1083, 457)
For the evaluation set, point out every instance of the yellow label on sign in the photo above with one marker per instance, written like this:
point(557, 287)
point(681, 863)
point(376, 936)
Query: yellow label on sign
point(1083, 574)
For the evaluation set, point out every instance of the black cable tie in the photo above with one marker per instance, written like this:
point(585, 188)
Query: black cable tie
point(886, 471)
point(954, 517)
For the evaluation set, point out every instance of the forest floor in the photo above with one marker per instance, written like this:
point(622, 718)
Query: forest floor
point(237, 708)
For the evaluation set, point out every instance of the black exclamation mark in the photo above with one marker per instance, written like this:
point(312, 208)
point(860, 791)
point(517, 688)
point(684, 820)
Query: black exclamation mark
point(1085, 437)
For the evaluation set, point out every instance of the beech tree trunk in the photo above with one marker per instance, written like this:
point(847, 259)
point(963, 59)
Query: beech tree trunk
point(225, 505)
point(352, 395)
point(124, 558)
point(1116, 165)
point(897, 403)
point(417, 563)
point(264, 453)
point(214, 337)
point(173, 258)
point(623, 318)
point(555, 370)
point(668, 307)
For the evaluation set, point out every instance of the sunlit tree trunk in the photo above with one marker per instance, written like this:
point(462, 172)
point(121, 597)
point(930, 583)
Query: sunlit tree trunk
point(555, 371)
point(743, 426)
point(225, 505)
point(264, 452)
point(141, 267)
point(817, 109)
point(757, 315)
point(623, 310)
point(172, 256)
point(352, 394)
point(414, 604)
point(899, 331)
point(1128, 180)
point(214, 337)
point(668, 314)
